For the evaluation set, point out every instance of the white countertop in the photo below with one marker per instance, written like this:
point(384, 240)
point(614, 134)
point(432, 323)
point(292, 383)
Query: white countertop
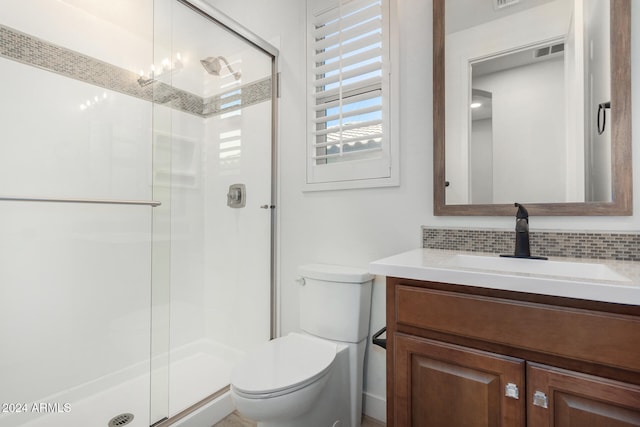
point(440, 266)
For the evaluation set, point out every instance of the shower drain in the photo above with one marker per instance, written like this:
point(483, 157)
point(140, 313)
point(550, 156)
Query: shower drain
point(121, 420)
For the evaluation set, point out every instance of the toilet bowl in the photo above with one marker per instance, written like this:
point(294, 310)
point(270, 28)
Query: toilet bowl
point(283, 379)
point(312, 378)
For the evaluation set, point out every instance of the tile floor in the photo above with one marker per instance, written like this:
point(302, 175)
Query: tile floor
point(235, 420)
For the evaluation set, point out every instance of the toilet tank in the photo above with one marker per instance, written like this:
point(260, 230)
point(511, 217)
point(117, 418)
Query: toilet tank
point(335, 301)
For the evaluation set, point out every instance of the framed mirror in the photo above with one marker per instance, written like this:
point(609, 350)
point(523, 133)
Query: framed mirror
point(532, 104)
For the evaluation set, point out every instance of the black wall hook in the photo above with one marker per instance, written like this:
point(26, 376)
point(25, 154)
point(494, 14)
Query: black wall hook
point(602, 112)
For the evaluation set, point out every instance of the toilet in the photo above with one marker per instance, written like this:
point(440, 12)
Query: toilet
point(312, 378)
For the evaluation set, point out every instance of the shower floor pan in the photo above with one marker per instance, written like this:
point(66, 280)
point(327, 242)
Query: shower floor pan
point(197, 373)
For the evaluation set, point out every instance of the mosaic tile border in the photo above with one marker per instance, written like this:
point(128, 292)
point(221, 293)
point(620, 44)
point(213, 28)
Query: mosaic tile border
point(251, 94)
point(29, 50)
point(573, 244)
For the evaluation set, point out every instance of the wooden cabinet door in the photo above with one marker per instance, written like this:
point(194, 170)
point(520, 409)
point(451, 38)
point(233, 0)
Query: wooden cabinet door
point(560, 398)
point(444, 385)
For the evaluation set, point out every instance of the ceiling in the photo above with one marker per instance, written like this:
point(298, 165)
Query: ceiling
point(463, 14)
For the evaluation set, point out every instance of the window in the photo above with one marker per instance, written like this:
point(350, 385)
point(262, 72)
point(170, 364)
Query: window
point(349, 137)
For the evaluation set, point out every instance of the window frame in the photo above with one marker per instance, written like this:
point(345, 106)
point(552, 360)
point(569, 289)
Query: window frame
point(380, 171)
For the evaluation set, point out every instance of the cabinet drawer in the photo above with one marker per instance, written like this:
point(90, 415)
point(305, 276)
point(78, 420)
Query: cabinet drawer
point(598, 337)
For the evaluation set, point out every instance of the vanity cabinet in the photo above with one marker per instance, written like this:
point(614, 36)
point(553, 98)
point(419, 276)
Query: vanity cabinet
point(467, 356)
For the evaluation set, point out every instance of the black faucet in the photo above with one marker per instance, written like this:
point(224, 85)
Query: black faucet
point(522, 233)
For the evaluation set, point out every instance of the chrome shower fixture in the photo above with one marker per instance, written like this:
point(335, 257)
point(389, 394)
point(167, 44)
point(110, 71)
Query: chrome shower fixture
point(213, 67)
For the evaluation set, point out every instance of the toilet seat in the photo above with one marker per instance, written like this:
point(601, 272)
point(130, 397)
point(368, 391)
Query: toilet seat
point(282, 366)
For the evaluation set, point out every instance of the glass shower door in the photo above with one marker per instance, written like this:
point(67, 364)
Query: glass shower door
point(112, 306)
point(75, 256)
point(213, 132)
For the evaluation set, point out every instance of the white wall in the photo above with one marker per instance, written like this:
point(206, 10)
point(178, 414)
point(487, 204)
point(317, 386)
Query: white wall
point(529, 130)
point(481, 161)
point(354, 227)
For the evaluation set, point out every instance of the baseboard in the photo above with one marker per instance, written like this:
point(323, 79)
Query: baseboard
point(375, 407)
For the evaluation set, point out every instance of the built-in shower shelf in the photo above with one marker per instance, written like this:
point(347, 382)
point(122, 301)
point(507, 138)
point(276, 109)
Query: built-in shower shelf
point(179, 179)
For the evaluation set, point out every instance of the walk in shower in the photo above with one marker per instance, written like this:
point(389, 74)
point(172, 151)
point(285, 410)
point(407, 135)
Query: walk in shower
point(130, 280)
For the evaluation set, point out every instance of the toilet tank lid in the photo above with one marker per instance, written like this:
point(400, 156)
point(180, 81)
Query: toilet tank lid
point(334, 273)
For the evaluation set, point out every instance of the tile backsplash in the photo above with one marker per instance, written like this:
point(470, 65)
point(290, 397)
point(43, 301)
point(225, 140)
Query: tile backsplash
point(29, 50)
point(573, 244)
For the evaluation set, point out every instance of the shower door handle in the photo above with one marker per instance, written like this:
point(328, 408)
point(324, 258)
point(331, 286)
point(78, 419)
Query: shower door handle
point(267, 206)
point(152, 203)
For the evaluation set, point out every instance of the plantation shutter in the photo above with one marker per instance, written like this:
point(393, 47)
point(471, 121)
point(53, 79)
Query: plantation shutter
point(348, 82)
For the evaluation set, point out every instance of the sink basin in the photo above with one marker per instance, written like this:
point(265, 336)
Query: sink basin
point(577, 270)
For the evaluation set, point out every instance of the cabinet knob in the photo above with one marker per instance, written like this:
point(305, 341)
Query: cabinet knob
point(540, 399)
point(511, 390)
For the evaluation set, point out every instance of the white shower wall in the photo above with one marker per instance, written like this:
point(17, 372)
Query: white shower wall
point(119, 32)
point(238, 308)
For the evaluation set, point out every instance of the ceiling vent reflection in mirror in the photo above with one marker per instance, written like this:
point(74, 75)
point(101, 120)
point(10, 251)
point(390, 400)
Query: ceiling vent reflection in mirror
point(499, 4)
point(548, 50)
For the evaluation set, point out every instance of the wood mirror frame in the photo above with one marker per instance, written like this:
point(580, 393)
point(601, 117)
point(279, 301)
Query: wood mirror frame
point(621, 163)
